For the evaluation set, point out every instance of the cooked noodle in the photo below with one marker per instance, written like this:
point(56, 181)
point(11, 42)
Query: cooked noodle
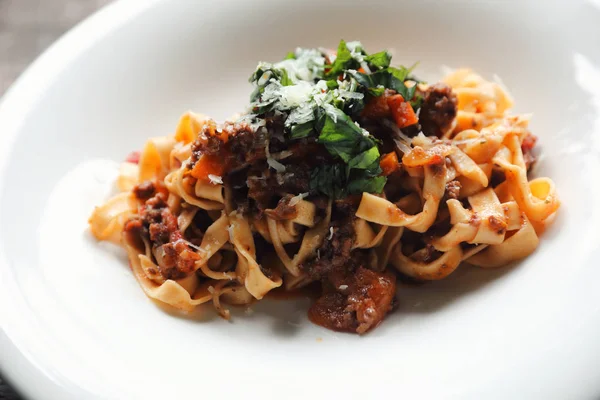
point(458, 192)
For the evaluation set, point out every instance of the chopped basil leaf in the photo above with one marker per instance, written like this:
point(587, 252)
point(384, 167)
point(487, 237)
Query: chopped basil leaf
point(363, 79)
point(388, 78)
point(369, 185)
point(312, 102)
point(332, 181)
point(301, 130)
point(341, 136)
point(366, 159)
point(410, 92)
point(285, 79)
point(377, 91)
point(343, 60)
point(354, 107)
point(329, 180)
point(417, 102)
point(379, 79)
point(379, 60)
point(400, 73)
point(332, 84)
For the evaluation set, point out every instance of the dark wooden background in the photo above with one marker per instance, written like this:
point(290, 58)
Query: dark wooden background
point(27, 27)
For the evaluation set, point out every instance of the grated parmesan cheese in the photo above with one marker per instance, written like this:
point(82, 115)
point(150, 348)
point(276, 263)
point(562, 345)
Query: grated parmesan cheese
point(402, 141)
point(211, 289)
point(276, 165)
point(364, 66)
point(307, 65)
point(330, 233)
point(283, 154)
point(350, 95)
point(295, 95)
point(215, 179)
point(296, 199)
point(230, 230)
point(332, 111)
point(193, 246)
point(343, 287)
point(279, 178)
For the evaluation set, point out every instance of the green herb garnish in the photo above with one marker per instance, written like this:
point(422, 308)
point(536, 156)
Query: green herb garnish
point(321, 100)
point(379, 60)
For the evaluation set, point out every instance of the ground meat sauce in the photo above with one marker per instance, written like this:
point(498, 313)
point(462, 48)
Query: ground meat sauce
point(236, 144)
point(452, 190)
point(157, 225)
point(527, 148)
point(335, 252)
point(284, 210)
point(358, 304)
point(243, 151)
point(354, 297)
point(265, 187)
point(144, 190)
point(438, 111)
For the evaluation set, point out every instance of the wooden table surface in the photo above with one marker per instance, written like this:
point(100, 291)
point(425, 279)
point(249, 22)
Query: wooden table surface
point(27, 27)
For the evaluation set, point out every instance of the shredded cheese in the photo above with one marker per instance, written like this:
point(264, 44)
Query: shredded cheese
point(230, 230)
point(306, 66)
point(283, 154)
point(215, 179)
point(296, 199)
point(193, 246)
point(276, 165)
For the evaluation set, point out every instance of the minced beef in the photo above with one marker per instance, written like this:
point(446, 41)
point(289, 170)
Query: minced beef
point(527, 147)
point(333, 254)
point(452, 190)
point(144, 190)
point(283, 211)
point(438, 111)
point(237, 144)
point(358, 304)
point(157, 225)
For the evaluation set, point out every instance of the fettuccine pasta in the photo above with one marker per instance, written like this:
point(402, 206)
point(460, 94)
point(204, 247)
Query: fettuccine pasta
point(344, 172)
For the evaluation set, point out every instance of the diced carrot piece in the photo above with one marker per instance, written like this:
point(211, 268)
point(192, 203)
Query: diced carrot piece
point(402, 111)
point(361, 70)
point(389, 163)
point(207, 165)
point(377, 107)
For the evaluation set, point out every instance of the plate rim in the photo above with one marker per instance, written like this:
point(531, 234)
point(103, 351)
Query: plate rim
point(20, 370)
point(18, 367)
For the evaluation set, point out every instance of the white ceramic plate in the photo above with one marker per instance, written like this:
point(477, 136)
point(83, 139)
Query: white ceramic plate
point(75, 324)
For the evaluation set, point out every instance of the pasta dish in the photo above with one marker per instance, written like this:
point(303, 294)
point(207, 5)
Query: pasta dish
point(344, 173)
